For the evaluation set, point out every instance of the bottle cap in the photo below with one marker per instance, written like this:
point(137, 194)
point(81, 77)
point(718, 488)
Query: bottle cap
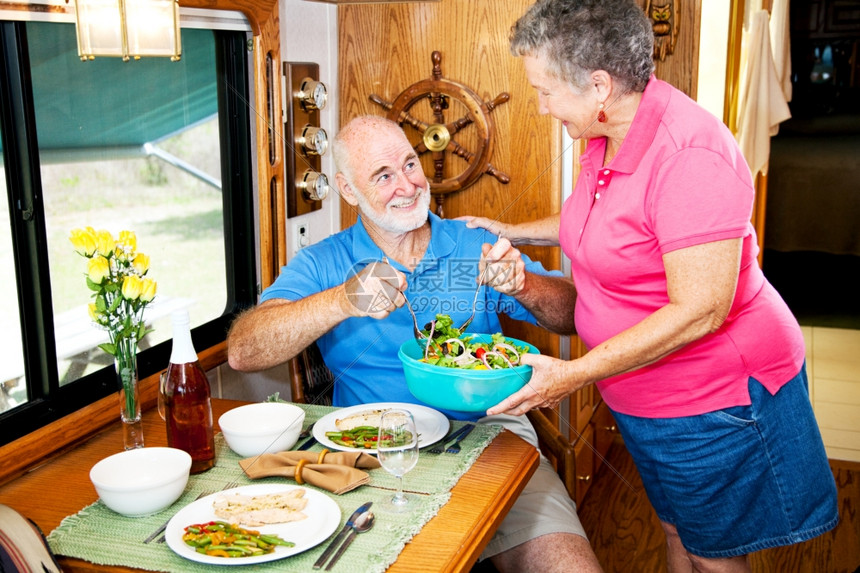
point(180, 317)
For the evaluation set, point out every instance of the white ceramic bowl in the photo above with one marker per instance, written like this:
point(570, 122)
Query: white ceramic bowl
point(142, 481)
point(264, 427)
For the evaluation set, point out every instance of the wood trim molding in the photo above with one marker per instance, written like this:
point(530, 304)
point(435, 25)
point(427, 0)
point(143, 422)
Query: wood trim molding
point(371, 1)
point(733, 64)
point(263, 16)
point(257, 12)
point(730, 111)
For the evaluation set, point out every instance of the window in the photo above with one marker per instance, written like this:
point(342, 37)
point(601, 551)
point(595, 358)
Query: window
point(157, 147)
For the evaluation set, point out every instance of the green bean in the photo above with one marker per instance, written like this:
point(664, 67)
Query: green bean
point(230, 547)
point(234, 541)
point(274, 540)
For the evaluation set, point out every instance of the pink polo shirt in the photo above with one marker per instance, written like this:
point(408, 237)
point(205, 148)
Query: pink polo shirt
point(678, 180)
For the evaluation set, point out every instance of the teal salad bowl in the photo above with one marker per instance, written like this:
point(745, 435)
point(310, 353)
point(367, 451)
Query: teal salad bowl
point(461, 389)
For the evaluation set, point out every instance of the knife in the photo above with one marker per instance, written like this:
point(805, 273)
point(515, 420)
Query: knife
point(346, 529)
point(453, 436)
point(362, 524)
point(308, 444)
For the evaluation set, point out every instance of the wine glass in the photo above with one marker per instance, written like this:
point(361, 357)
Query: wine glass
point(397, 450)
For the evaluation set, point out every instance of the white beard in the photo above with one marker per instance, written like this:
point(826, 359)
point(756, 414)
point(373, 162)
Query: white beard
point(392, 220)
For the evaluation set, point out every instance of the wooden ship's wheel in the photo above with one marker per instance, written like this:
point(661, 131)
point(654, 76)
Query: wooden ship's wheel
point(437, 136)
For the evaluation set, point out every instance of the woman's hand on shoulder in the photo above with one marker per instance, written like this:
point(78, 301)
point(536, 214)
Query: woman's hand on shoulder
point(492, 225)
point(540, 232)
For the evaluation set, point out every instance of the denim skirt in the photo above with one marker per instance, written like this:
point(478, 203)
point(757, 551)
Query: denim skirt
point(741, 479)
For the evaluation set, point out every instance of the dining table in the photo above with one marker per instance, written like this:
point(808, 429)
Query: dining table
point(451, 540)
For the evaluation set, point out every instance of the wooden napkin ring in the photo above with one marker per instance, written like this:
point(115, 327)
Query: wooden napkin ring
point(298, 474)
point(322, 455)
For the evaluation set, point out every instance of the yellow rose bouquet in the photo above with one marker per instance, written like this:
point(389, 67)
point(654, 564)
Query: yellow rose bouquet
point(116, 273)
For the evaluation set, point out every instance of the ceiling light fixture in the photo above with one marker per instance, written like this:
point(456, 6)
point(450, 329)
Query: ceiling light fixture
point(128, 28)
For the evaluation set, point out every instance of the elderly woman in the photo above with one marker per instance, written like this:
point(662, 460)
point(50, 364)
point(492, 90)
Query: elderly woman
point(698, 357)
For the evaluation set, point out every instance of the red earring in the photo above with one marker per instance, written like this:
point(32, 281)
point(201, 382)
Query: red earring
point(601, 116)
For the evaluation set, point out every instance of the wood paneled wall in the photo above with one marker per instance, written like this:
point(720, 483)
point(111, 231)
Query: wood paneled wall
point(383, 49)
point(681, 69)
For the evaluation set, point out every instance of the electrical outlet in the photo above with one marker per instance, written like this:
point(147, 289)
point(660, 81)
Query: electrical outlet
point(301, 237)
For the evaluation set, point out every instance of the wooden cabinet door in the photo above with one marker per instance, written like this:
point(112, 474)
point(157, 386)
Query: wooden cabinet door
point(584, 456)
point(583, 401)
point(605, 430)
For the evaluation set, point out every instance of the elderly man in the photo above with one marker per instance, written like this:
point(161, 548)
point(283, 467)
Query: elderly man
point(347, 293)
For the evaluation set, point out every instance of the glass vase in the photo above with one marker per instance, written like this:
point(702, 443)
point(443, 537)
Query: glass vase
point(125, 362)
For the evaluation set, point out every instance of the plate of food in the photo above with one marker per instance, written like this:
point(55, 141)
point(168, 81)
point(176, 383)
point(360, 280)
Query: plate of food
point(252, 524)
point(353, 429)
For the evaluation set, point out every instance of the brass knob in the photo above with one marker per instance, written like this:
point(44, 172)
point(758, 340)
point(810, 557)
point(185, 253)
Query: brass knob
point(312, 94)
point(314, 140)
point(314, 185)
point(611, 428)
point(584, 478)
point(436, 137)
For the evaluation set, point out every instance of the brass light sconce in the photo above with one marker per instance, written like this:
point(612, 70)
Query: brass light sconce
point(128, 28)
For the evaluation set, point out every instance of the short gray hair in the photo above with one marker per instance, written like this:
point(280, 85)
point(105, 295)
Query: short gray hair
point(577, 37)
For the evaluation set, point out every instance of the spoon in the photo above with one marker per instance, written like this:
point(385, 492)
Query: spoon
point(362, 524)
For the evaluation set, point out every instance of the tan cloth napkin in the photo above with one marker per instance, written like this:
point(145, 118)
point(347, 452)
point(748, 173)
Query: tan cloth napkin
point(338, 472)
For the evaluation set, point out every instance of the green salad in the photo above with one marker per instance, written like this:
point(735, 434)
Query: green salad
point(447, 346)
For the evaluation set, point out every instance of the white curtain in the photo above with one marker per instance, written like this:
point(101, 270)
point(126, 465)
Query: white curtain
point(765, 86)
point(780, 30)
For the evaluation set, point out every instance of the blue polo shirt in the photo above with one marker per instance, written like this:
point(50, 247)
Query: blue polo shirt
point(362, 352)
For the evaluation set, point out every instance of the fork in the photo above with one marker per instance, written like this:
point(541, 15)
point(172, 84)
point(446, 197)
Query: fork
point(163, 526)
point(440, 445)
point(162, 539)
point(306, 432)
point(455, 447)
point(230, 485)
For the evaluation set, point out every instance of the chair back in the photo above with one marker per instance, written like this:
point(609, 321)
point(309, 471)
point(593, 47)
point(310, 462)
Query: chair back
point(311, 382)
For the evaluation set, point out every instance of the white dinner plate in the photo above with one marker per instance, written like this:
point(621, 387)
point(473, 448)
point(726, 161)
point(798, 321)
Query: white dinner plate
point(431, 425)
point(323, 517)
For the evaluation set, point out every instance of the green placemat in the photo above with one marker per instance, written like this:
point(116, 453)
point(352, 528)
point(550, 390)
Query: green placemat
point(99, 535)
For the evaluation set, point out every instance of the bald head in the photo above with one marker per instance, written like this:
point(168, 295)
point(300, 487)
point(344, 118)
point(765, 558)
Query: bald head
point(355, 137)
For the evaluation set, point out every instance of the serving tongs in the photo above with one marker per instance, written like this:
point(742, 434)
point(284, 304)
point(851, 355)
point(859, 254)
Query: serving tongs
point(419, 336)
point(462, 329)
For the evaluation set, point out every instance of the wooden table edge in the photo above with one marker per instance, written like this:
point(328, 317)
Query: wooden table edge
point(502, 486)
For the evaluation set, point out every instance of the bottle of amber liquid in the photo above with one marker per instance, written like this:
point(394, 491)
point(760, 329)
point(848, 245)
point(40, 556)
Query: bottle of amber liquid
point(187, 405)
